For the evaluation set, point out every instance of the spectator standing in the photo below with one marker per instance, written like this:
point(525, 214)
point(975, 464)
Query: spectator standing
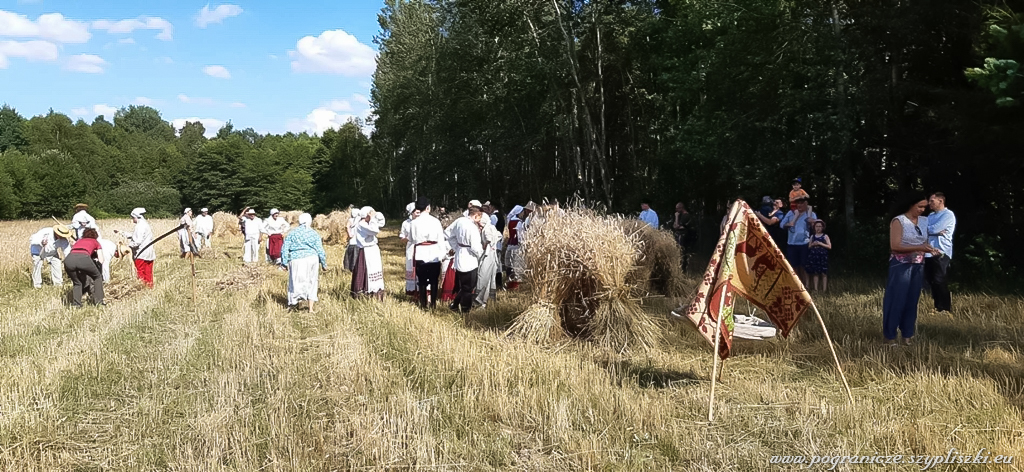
point(685, 234)
point(817, 256)
point(908, 243)
point(772, 219)
point(647, 215)
point(941, 225)
point(798, 225)
point(49, 245)
point(796, 193)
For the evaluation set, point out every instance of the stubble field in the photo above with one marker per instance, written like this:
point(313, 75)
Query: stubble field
point(234, 381)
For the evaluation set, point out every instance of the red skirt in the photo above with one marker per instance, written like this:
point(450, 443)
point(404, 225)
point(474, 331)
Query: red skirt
point(274, 243)
point(448, 288)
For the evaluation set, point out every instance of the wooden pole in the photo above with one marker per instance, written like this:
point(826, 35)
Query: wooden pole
point(718, 342)
point(833, 349)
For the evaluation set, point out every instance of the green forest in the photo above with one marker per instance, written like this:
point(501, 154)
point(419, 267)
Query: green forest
point(612, 101)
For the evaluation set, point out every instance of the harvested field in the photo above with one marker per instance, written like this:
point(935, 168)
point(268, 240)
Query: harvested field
point(235, 381)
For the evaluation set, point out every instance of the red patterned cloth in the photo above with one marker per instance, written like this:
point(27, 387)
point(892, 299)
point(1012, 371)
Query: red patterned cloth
point(746, 262)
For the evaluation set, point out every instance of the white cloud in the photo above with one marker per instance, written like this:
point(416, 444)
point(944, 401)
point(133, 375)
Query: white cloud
point(126, 40)
point(195, 100)
point(211, 125)
point(237, 105)
point(207, 16)
point(333, 52)
point(88, 63)
point(51, 26)
point(219, 72)
point(101, 109)
point(143, 22)
point(145, 101)
point(273, 57)
point(35, 51)
point(339, 105)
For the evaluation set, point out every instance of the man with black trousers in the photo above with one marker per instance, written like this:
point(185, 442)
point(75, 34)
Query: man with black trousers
point(498, 220)
point(429, 248)
point(941, 224)
point(465, 240)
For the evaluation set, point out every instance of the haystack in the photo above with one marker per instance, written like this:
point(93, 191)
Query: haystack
point(333, 227)
point(580, 267)
point(225, 224)
point(292, 217)
point(660, 263)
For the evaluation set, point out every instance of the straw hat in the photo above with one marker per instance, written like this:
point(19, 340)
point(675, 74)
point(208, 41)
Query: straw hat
point(62, 231)
point(81, 206)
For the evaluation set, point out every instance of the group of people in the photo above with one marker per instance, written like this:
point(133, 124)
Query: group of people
point(471, 246)
point(196, 233)
point(85, 256)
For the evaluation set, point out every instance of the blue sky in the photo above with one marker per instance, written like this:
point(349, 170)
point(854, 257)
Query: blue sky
point(273, 66)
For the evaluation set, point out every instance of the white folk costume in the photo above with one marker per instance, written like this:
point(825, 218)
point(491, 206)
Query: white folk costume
point(486, 284)
point(464, 238)
point(251, 228)
point(108, 248)
point(183, 234)
point(429, 248)
point(47, 245)
point(81, 221)
point(368, 275)
point(203, 229)
point(303, 254)
point(141, 237)
point(275, 228)
point(410, 267)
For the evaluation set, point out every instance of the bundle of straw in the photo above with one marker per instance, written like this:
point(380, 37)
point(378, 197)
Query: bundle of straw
point(579, 267)
point(660, 264)
point(225, 224)
point(333, 227)
point(292, 217)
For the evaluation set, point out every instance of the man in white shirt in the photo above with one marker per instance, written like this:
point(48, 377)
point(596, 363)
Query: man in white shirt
point(183, 234)
point(275, 228)
point(49, 245)
point(251, 228)
point(203, 228)
point(429, 248)
point(466, 242)
point(82, 220)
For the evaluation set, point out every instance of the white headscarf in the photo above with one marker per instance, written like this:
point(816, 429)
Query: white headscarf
point(516, 210)
point(138, 212)
point(187, 211)
point(365, 210)
point(305, 219)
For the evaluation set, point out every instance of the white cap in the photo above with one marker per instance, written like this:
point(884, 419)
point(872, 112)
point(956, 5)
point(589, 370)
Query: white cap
point(187, 210)
point(204, 210)
point(410, 208)
point(273, 211)
point(138, 212)
point(474, 203)
point(250, 212)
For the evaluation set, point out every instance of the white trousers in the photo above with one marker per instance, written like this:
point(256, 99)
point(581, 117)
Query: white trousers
point(56, 269)
point(202, 240)
point(251, 250)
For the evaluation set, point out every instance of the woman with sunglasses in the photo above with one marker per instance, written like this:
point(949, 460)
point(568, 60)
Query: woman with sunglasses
point(908, 242)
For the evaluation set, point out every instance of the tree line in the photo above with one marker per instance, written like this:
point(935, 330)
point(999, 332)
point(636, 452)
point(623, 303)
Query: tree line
point(616, 102)
point(48, 163)
point(705, 101)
